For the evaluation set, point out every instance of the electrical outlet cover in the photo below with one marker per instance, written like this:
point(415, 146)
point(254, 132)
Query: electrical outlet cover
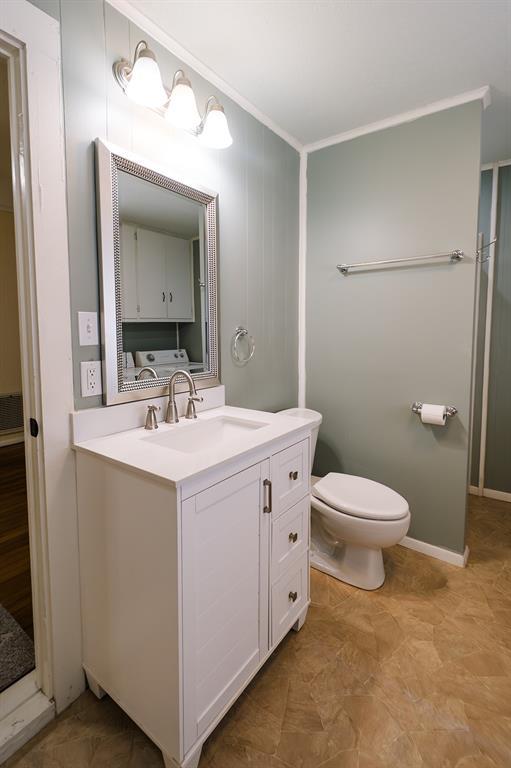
point(91, 378)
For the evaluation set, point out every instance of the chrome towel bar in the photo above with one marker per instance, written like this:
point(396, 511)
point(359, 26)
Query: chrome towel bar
point(454, 256)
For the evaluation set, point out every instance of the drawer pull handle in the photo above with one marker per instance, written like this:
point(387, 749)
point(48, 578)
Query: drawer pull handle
point(293, 596)
point(293, 475)
point(267, 507)
point(293, 537)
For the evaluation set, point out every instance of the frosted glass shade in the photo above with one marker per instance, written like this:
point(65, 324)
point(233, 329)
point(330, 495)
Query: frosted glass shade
point(145, 85)
point(215, 133)
point(182, 110)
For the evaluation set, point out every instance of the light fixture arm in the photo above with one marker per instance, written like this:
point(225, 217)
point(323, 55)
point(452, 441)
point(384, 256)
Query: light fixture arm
point(212, 100)
point(179, 75)
point(140, 47)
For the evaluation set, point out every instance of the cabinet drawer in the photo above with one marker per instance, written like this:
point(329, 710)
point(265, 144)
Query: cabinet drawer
point(289, 597)
point(290, 537)
point(290, 476)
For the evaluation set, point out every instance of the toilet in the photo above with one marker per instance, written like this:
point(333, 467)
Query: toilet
point(352, 520)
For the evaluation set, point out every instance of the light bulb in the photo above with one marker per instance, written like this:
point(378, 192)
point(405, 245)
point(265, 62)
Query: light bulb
point(145, 84)
point(182, 110)
point(215, 132)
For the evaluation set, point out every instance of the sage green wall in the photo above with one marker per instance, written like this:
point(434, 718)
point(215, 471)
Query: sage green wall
point(378, 340)
point(257, 181)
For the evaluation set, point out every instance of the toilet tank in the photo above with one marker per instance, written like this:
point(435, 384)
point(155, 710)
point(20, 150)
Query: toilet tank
point(315, 420)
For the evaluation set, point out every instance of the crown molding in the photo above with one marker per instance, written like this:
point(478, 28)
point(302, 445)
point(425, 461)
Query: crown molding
point(480, 94)
point(162, 37)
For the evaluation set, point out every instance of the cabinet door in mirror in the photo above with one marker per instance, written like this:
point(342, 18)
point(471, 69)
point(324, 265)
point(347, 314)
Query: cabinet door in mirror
point(158, 254)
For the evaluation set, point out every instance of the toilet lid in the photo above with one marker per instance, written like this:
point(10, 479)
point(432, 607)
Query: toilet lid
point(360, 497)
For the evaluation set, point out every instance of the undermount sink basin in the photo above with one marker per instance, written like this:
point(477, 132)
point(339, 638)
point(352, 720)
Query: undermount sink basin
point(204, 435)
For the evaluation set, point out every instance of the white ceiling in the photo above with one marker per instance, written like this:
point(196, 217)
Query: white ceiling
point(321, 67)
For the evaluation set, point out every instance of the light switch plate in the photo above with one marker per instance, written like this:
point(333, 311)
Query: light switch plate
point(88, 328)
point(91, 378)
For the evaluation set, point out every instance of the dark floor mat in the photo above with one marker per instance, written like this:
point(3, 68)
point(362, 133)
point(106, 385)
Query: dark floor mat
point(16, 650)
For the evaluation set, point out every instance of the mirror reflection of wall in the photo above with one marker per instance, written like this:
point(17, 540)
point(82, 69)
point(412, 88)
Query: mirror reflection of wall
point(164, 302)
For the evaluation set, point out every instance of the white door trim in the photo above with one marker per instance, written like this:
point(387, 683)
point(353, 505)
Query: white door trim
point(302, 280)
point(492, 251)
point(30, 40)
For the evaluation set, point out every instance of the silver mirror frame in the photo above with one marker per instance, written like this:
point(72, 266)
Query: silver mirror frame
point(109, 161)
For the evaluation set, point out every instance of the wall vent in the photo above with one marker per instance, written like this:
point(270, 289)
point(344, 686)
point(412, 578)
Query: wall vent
point(11, 412)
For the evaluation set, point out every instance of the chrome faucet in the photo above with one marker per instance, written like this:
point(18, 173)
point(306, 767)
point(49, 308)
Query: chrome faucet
point(193, 397)
point(148, 369)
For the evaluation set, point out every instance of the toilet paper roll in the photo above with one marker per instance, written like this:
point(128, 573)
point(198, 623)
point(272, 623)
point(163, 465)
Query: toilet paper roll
point(433, 414)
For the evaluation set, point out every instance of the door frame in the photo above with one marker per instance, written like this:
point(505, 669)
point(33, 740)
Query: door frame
point(30, 41)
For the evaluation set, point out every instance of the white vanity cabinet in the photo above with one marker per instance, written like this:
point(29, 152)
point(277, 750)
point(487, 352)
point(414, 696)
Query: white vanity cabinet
point(156, 276)
point(188, 587)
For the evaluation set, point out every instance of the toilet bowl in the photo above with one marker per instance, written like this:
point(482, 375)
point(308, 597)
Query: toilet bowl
point(352, 520)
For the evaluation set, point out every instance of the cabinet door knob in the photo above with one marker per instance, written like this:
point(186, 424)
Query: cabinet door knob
point(293, 596)
point(293, 537)
point(293, 475)
point(170, 296)
point(163, 295)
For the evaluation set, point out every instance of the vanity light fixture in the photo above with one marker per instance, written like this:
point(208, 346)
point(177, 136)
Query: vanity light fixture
point(182, 110)
point(214, 131)
point(142, 82)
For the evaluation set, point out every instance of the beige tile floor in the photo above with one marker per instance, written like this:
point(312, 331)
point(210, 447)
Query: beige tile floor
point(415, 674)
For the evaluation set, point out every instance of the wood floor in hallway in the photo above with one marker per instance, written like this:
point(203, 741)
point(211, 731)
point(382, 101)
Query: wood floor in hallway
point(15, 586)
point(415, 674)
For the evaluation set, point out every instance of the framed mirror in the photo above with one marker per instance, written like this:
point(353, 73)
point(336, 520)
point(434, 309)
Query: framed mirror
point(158, 249)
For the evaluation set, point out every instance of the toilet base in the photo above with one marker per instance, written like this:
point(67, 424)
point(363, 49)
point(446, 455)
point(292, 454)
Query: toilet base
point(359, 566)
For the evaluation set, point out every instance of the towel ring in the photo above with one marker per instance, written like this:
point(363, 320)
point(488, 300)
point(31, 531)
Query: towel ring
point(239, 333)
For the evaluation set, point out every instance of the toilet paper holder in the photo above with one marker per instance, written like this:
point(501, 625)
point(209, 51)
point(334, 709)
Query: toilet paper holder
point(450, 410)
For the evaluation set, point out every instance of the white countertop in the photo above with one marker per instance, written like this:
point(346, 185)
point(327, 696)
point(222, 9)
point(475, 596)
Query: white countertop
point(134, 449)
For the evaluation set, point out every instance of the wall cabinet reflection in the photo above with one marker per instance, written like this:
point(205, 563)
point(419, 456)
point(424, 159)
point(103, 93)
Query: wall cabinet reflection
point(156, 275)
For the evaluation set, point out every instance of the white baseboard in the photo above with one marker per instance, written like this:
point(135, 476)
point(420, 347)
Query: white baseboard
point(489, 493)
point(499, 495)
point(11, 438)
point(447, 555)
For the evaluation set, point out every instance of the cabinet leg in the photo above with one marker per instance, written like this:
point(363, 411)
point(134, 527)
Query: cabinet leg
point(300, 621)
point(192, 761)
point(96, 689)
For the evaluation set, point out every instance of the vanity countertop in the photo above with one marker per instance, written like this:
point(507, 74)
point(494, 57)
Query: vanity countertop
point(177, 452)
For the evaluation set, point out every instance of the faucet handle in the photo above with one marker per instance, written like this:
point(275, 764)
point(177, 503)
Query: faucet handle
point(150, 419)
point(190, 408)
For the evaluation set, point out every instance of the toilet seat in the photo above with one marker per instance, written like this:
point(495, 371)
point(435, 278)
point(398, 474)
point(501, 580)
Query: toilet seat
point(360, 497)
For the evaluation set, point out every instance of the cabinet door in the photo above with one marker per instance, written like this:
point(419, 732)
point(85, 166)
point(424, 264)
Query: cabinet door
point(225, 554)
point(128, 272)
point(179, 279)
point(152, 274)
